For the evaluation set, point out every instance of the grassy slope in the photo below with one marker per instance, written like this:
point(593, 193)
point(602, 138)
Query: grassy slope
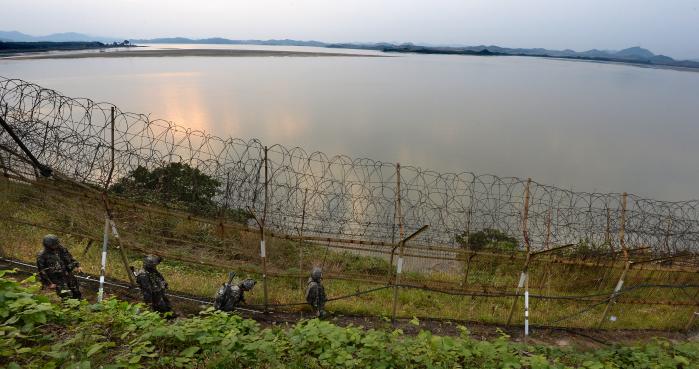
point(237, 250)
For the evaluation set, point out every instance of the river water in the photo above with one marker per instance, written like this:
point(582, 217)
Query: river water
point(580, 125)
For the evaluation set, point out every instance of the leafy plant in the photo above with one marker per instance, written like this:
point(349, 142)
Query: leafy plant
point(487, 238)
point(36, 333)
point(176, 184)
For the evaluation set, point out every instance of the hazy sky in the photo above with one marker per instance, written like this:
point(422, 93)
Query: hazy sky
point(669, 27)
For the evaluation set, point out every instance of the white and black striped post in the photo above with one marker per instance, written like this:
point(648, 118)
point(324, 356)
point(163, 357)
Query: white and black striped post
point(103, 265)
point(526, 306)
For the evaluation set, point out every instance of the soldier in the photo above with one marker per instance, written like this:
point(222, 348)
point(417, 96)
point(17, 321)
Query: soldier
point(153, 285)
point(56, 266)
point(315, 292)
point(229, 296)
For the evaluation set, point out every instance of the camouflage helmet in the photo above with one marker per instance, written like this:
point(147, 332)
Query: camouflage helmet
point(247, 284)
point(50, 241)
point(316, 274)
point(150, 261)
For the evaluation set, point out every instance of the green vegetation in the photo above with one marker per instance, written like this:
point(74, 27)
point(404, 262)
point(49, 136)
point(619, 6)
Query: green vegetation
point(177, 185)
point(487, 239)
point(199, 252)
point(38, 333)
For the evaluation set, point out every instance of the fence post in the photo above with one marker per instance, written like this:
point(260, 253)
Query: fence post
point(627, 262)
point(263, 251)
point(111, 167)
point(612, 298)
point(2, 163)
point(228, 192)
point(608, 230)
point(401, 232)
point(612, 255)
point(103, 264)
point(525, 269)
point(667, 233)
point(526, 308)
point(399, 264)
point(301, 241)
point(469, 214)
point(122, 253)
point(692, 318)
point(223, 211)
point(115, 233)
point(398, 210)
point(547, 244)
point(590, 221)
point(622, 228)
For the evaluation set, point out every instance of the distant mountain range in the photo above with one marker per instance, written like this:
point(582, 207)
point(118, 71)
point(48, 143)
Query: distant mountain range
point(15, 36)
point(635, 55)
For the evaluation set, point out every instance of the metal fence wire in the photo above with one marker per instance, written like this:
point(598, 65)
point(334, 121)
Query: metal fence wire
point(350, 215)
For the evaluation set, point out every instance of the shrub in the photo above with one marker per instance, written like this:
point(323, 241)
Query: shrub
point(487, 239)
point(36, 333)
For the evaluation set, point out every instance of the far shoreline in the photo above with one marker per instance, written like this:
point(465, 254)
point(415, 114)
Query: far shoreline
point(136, 51)
point(181, 53)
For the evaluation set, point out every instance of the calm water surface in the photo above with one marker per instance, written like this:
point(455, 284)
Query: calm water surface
point(580, 125)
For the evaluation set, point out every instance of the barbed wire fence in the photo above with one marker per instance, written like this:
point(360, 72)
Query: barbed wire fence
point(578, 249)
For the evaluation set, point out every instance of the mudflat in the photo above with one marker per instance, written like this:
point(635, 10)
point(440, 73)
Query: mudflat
point(179, 52)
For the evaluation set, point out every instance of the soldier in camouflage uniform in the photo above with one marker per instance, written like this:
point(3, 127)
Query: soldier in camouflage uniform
point(315, 292)
point(56, 266)
point(229, 296)
point(153, 285)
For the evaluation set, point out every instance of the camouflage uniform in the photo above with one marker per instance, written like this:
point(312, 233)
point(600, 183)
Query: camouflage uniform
point(229, 296)
point(315, 292)
point(153, 285)
point(56, 266)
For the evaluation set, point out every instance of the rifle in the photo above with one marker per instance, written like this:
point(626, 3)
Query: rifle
point(231, 275)
point(227, 289)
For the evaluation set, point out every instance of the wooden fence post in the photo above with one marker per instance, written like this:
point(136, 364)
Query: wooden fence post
point(667, 234)
point(118, 243)
point(590, 227)
point(547, 245)
point(622, 228)
point(692, 319)
point(525, 267)
point(122, 253)
point(111, 167)
point(608, 230)
point(612, 256)
point(398, 210)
